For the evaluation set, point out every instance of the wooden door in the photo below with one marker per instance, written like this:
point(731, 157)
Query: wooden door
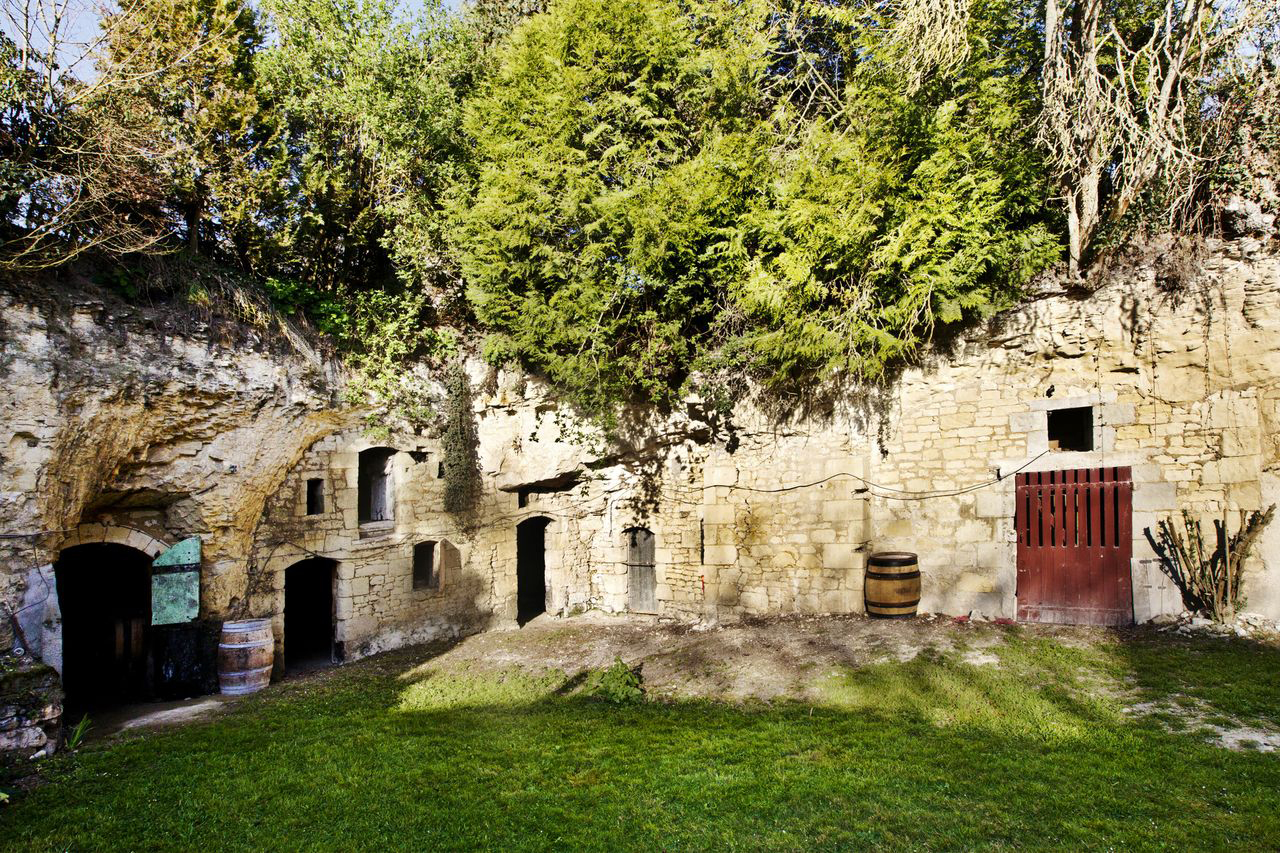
point(1075, 541)
point(642, 578)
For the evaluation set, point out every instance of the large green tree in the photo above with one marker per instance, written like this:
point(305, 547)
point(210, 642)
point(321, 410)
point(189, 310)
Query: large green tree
point(191, 64)
point(913, 197)
point(732, 187)
point(615, 155)
point(371, 101)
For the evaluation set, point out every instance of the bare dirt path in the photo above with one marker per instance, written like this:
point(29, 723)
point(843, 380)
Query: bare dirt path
point(765, 659)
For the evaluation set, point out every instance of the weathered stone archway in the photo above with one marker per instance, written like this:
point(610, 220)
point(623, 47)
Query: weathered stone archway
point(115, 534)
point(41, 616)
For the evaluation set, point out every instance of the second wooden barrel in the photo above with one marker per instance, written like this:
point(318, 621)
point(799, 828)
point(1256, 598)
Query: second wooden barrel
point(245, 655)
point(892, 585)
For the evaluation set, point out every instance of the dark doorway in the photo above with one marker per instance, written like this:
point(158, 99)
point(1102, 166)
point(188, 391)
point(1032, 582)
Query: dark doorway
point(642, 579)
point(105, 594)
point(308, 614)
point(1075, 541)
point(531, 568)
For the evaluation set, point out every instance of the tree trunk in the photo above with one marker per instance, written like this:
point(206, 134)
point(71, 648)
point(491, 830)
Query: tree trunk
point(194, 210)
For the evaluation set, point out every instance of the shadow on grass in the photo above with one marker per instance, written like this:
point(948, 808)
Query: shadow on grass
point(932, 754)
point(1235, 677)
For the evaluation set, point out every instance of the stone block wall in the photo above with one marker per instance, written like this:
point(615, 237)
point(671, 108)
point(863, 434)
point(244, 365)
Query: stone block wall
point(375, 603)
point(165, 435)
point(1183, 388)
point(784, 525)
point(30, 710)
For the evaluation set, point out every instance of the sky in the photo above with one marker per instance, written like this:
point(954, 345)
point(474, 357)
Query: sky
point(79, 24)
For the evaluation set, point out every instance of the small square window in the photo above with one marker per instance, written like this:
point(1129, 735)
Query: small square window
point(425, 575)
point(1071, 429)
point(315, 496)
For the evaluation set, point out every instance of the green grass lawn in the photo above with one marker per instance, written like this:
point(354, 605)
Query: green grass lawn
point(1037, 753)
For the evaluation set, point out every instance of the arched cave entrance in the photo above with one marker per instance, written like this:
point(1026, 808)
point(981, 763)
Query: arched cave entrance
point(531, 568)
point(104, 591)
point(308, 614)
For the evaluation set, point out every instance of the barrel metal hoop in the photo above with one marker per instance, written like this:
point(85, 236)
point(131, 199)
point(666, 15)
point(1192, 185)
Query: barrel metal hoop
point(892, 558)
point(242, 672)
point(890, 576)
point(893, 604)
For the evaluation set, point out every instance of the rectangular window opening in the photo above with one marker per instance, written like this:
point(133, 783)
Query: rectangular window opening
point(315, 496)
point(425, 575)
point(375, 499)
point(1071, 429)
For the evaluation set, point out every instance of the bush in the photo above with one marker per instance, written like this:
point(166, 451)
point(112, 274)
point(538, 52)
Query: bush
point(619, 684)
point(1209, 583)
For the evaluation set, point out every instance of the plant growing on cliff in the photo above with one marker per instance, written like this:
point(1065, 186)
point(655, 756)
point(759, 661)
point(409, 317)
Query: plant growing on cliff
point(387, 338)
point(460, 444)
point(1209, 582)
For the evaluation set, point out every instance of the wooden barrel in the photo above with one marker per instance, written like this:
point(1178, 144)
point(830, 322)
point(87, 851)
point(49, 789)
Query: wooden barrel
point(244, 656)
point(892, 585)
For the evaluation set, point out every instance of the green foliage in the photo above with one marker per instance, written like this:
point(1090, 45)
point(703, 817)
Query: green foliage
point(632, 198)
point(75, 737)
point(460, 444)
point(329, 313)
point(387, 339)
point(370, 102)
point(609, 157)
point(190, 63)
point(650, 200)
point(618, 684)
point(894, 214)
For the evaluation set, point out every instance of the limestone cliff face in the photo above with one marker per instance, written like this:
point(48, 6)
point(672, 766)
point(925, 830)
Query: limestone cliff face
point(131, 425)
point(115, 414)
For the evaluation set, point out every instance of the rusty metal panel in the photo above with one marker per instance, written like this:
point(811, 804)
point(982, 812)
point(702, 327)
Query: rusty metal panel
point(1074, 533)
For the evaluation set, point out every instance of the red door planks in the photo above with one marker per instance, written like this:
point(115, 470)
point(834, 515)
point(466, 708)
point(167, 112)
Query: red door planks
point(1074, 544)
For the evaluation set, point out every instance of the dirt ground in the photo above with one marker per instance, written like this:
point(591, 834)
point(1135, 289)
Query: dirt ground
point(762, 659)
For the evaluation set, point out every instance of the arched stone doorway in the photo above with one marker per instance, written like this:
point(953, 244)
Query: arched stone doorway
point(531, 568)
point(104, 594)
point(309, 614)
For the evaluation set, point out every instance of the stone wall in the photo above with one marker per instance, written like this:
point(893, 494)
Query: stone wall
point(30, 710)
point(121, 429)
point(1185, 388)
point(140, 427)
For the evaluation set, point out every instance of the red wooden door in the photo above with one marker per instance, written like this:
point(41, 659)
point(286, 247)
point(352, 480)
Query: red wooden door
point(1074, 543)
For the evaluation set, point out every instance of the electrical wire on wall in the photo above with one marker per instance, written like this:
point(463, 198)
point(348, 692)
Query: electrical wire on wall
point(878, 490)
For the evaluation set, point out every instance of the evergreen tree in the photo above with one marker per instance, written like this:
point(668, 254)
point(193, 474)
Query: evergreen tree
point(371, 104)
point(190, 62)
point(667, 187)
